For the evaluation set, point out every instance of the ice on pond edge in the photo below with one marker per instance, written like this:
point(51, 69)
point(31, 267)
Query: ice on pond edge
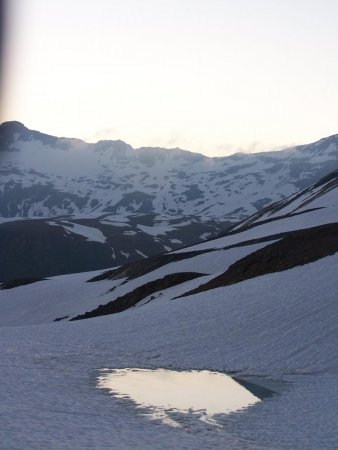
point(169, 394)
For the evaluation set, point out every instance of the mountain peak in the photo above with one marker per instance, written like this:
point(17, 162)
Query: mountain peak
point(8, 130)
point(12, 126)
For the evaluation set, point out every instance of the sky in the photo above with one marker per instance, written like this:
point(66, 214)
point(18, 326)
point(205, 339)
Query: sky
point(215, 77)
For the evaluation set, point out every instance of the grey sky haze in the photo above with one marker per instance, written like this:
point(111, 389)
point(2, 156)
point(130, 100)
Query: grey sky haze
point(214, 77)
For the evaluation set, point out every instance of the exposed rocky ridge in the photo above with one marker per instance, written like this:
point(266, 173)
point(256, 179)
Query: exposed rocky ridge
point(132, 298)
point(296, 248)
point(139, 268)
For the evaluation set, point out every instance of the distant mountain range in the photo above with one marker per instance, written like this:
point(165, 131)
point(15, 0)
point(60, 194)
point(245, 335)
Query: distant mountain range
point(69, 206)
point(297, 231)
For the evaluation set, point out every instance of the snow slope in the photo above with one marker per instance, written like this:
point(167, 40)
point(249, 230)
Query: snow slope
point(58, 297)
point(322, 194)
point(280, 326)
point(49, 397)
point(210, 259)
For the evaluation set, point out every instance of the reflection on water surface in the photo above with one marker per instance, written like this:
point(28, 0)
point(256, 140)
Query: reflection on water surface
point(165, 392)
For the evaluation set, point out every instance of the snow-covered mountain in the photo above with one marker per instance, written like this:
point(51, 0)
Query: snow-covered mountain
point(68, 206)
point(257, 302)
point(44, 176)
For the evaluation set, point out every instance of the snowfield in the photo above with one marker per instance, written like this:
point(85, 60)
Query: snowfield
point(70, 295)
point(281, 327)
point(90, 233)
point(49, 394)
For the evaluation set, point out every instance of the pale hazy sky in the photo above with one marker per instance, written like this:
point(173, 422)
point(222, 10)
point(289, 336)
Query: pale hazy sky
point(214, 76)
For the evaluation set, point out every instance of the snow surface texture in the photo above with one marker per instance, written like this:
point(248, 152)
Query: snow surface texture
point(281, 326)
point(49, 395)
point(70, 295)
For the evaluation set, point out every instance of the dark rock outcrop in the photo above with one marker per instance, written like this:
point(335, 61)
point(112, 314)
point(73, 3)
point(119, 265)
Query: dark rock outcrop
point(132, 298)
point(296, 248)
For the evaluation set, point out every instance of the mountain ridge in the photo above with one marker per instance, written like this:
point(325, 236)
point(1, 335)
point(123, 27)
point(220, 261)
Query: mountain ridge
point(44, 176)
point(15, 125)
point(120, 205)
